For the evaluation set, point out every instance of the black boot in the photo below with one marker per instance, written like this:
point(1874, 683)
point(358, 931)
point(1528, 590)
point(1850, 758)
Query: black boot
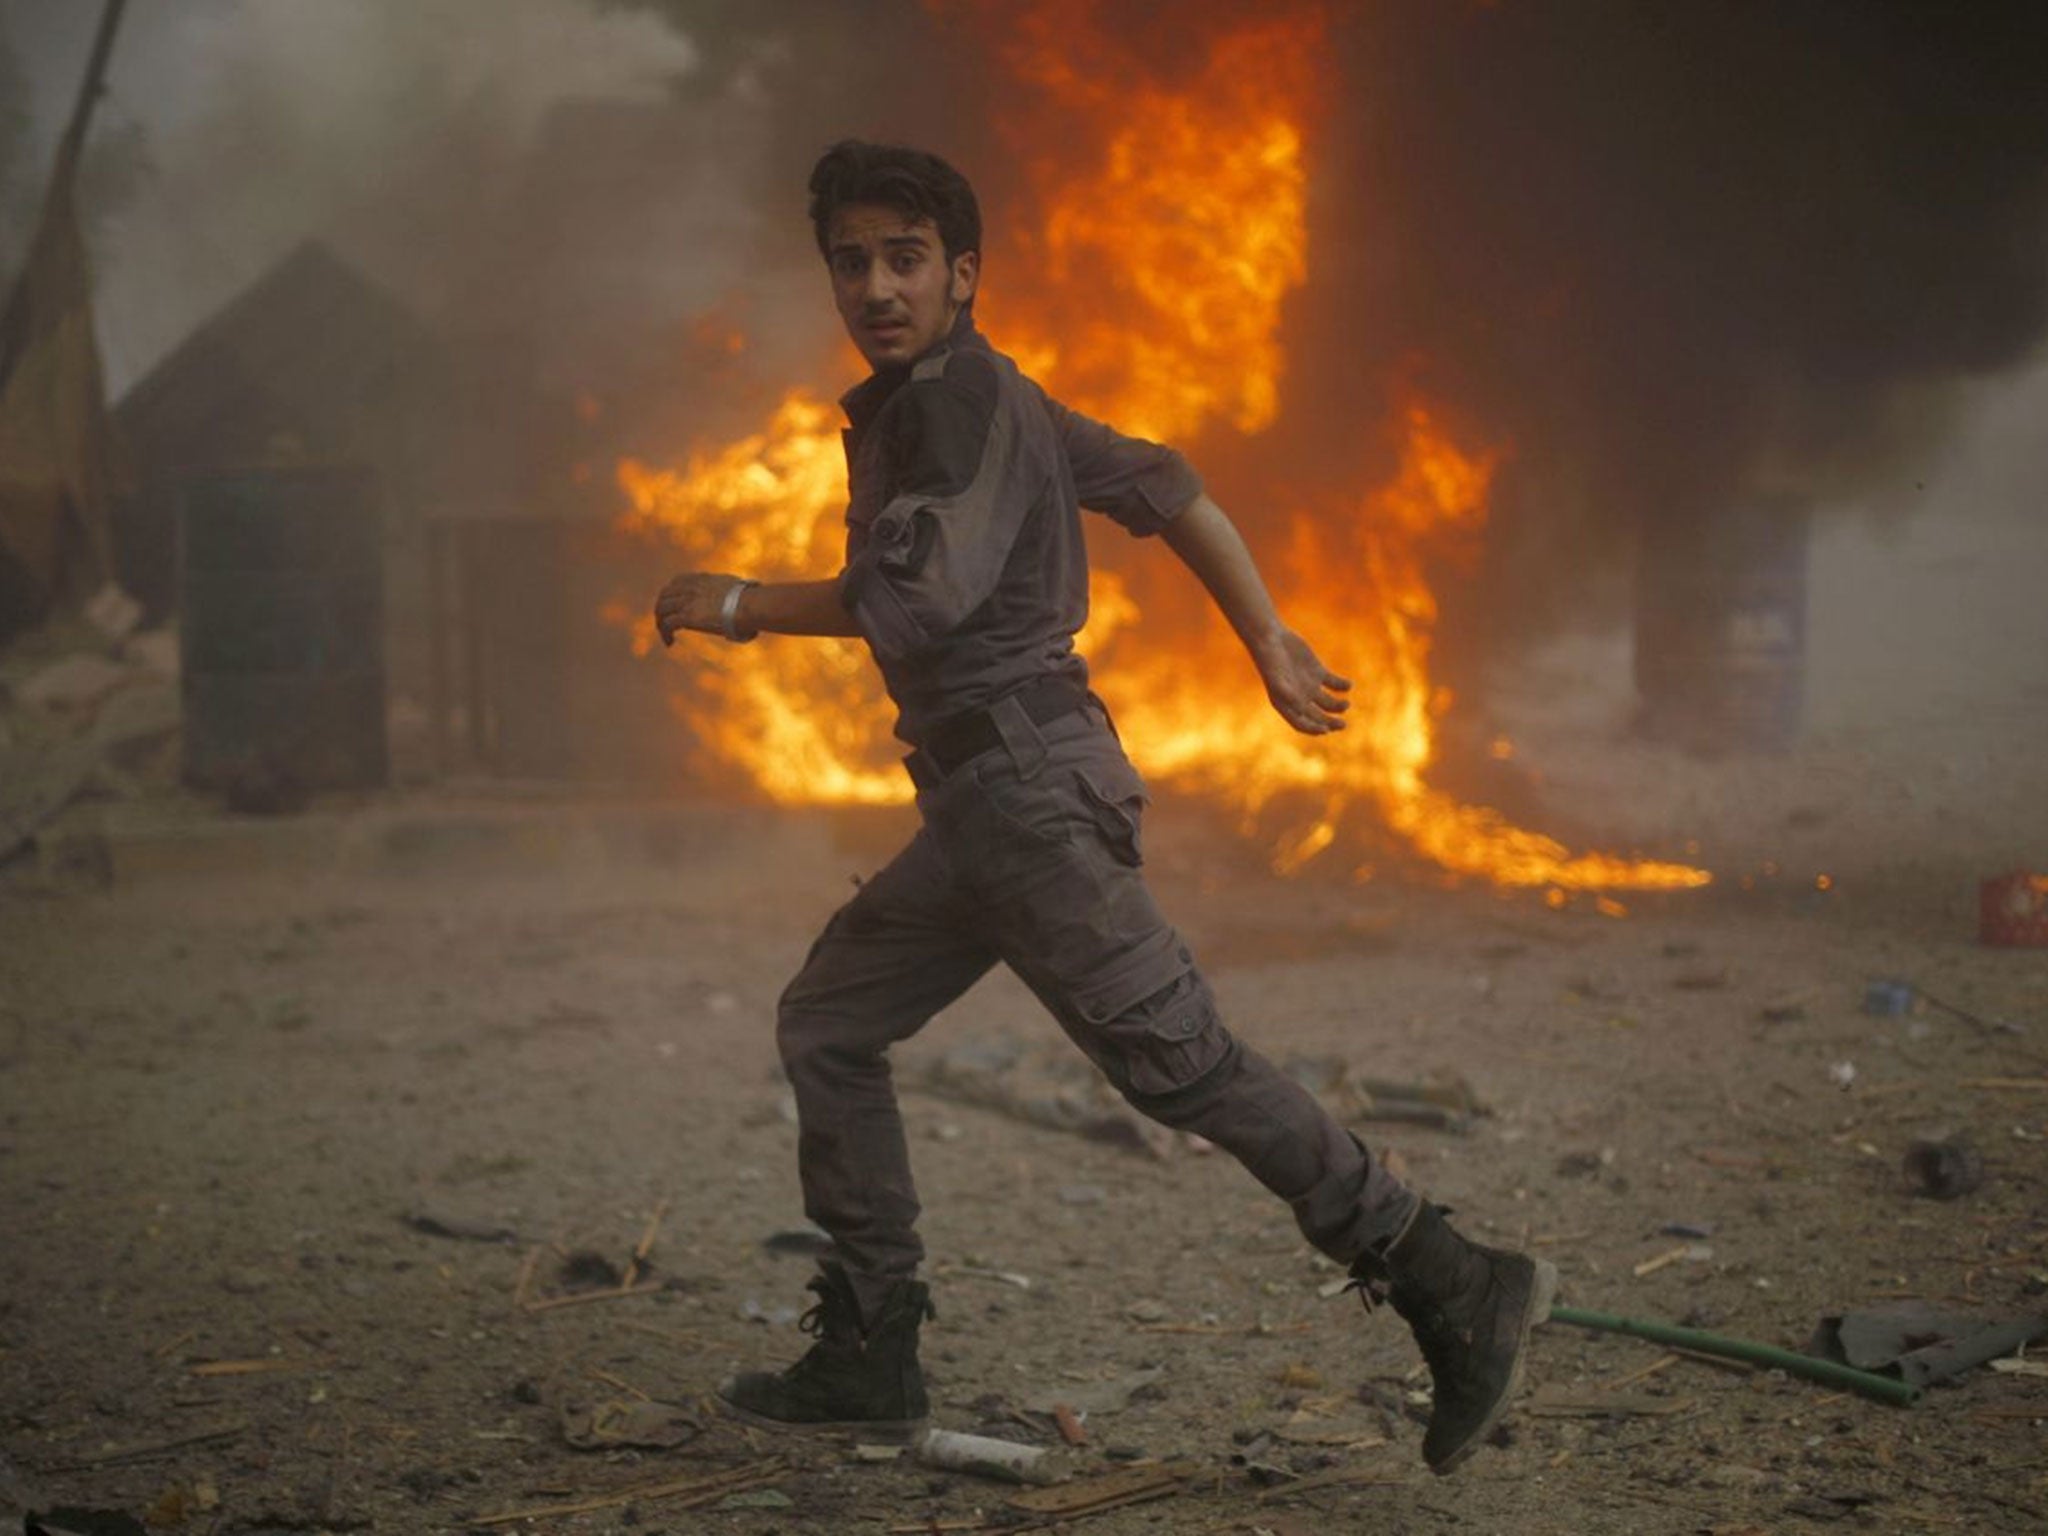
point(859, 1378)
point(1471, 1309)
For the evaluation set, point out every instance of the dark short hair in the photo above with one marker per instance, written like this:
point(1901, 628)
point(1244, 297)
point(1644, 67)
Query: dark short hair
point(918, 185)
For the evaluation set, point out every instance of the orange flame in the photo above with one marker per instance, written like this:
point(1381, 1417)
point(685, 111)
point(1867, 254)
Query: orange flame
point(1150, 294)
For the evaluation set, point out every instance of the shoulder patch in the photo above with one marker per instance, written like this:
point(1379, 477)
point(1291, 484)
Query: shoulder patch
point(969, 374)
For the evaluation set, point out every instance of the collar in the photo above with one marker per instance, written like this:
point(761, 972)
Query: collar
point(867, 397)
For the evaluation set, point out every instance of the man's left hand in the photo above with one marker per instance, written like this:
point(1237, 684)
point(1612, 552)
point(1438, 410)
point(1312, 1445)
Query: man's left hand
point(691, 601)
point(1307, 694)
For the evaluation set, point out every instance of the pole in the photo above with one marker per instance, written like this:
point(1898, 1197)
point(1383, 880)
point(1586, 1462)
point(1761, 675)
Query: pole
point(1886, 1390)
point(89, 89)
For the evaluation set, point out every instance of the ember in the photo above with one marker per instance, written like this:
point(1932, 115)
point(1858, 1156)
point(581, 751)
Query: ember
point(1145, 287)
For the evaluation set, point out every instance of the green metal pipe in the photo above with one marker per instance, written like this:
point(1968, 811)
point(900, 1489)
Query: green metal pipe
point(1884, 1388)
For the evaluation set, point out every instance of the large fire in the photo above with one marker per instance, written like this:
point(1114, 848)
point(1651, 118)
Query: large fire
point(1146, 289)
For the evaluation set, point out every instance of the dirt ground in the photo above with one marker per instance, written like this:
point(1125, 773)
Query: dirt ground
point(238, 1059)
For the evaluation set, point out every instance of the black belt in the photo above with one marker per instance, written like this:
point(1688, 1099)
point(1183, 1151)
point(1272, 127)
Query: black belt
point(965, 737)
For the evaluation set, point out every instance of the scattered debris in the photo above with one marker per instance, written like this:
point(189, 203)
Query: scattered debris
point(262, 1366)
point(70, 1521)
point(1690, 1253)
point(1586, 1164)
point(437, 1224)
point(1828, 1506)
point(1083, 1194)
point(1829, 1372)
point(1093, 1397)
point(1110, 1490)
point(609, 1425)
point(984, 1272)
point(1919, 1344)
point(150, 1450)
point(1701, 981)
point(2013, 910)
point(181, 1501)
point(1945, 1169)
point(1058, 1091)
point(1004, 1460)
point(758, 1498)
point(773, 1317)
point(77, 682)
point(1886, 998)
point(1603, 1405)
point(1788, 1007)
point(1842, 1073)
point(588, 1270)
point(2020, 1365)
point(1990, 1026)
point(1146, 1310)
point(1699, 1231)
point(680, 1493)
point(641, 1249)
point(1069, 1424)
point(113, 612)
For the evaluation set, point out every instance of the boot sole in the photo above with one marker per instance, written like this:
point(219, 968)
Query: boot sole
point(872, 1431)
point(1542, 1291)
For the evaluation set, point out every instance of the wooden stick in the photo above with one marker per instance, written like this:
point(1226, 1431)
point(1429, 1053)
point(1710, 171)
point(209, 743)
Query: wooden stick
point(150, 1449)
point(620, 1382)
point(165, 1351)
point(1332, 1479)
point(247, 1367)
point(581, 1298)
point(671, 1334)
point(689, 1491)
point(2007, 1084)
point(526, 1269)
point(1635, 1376)
point(645, 1246)
point(1668, 1256)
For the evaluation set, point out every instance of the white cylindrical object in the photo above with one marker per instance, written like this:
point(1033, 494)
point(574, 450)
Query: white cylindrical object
point(1005, 1459)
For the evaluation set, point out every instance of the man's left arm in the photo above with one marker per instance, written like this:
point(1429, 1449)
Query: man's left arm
point(1307, 694)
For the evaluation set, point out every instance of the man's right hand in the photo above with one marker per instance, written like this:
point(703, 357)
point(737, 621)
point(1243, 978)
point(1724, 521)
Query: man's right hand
point(692, 601)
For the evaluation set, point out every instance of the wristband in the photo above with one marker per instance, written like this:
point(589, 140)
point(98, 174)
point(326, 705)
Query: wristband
point(729, 612)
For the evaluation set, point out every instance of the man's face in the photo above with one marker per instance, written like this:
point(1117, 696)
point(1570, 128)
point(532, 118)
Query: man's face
point(894, 287)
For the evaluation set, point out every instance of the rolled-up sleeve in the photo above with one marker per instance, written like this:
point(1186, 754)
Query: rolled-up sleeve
point(936, 550)
point(1139, 484)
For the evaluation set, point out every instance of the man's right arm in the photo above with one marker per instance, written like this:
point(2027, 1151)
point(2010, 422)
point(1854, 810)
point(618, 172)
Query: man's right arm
point(696, 600)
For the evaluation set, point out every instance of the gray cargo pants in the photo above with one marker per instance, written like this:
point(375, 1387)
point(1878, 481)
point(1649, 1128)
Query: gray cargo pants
point(1029, 855)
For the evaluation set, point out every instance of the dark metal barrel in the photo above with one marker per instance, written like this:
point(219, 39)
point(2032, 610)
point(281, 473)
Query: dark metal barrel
point(281, 599)
point(1720, 657)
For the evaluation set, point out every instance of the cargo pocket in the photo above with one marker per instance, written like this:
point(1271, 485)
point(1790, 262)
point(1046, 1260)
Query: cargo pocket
point(1158, 1042)
point(1116, 805)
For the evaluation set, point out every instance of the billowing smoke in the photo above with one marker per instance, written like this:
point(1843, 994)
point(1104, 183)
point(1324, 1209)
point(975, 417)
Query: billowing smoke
point(400, 133)
point(1681, 258)
point(1674, 257)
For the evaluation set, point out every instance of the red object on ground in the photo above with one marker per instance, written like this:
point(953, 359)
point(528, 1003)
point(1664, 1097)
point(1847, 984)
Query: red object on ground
point(2013, 910)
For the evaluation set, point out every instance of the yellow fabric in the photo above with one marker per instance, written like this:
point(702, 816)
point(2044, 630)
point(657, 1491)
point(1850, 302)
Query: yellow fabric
point(55, 438)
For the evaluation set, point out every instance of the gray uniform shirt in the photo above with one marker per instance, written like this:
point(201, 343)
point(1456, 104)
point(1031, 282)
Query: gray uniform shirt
point(965, 567)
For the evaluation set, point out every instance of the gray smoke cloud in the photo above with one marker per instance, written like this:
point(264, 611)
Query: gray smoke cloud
point(1682, 259)
point(399, 132)
point(1673, 256)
